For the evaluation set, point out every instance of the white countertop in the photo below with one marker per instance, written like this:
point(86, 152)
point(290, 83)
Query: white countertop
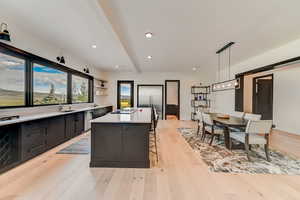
point(47, 115)
point(141, 115)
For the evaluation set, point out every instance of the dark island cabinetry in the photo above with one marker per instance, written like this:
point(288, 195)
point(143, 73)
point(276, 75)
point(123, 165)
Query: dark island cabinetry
point(120, 145)
point(121, 140)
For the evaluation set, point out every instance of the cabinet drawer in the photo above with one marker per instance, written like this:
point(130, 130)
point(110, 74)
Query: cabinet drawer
point(33, 133)
point(33, 139)
point(34, 149)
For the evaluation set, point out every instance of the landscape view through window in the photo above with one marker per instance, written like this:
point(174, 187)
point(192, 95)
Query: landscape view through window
point(80, 89)
point(49, 85)
point(125, 95)
point(12, 81)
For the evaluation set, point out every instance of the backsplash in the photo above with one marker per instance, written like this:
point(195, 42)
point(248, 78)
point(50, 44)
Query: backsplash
point(38, 110)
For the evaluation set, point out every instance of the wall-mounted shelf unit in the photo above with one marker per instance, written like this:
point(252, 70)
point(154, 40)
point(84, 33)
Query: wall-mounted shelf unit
point(100, 87)
point(200, 100)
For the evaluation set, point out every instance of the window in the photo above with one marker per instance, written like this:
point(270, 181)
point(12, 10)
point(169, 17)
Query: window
point(80, 89)
point(49, 85)
point(12, 81)
point(28, 80)
point(125, 94)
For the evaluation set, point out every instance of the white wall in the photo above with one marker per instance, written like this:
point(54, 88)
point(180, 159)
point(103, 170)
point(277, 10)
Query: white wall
point(30, 43)
point(186, 81)
point(172, 93)
point(286, 105)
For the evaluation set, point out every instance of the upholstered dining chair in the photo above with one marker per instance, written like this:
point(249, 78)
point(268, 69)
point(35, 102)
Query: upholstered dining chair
point(250, 116)
point(210, 128)
point(257, 132)
point(239, 114)
point(246, 116)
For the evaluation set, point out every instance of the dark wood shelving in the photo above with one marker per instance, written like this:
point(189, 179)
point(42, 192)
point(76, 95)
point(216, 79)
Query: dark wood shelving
point(200, 97)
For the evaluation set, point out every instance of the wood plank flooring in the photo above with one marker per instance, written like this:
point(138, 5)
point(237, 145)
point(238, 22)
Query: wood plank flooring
point(180, 175)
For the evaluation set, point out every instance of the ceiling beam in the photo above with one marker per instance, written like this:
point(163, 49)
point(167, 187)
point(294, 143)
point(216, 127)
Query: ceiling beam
point(118, 29)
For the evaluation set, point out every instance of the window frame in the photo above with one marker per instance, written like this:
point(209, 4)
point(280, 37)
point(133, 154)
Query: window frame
point(89, 90)
point(119, 82)
point(26, 71)
point(49, 66)
point(30, 60)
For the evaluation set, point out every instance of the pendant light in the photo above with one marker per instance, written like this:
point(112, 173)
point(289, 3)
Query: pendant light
point(4, 34)
point(228, 84)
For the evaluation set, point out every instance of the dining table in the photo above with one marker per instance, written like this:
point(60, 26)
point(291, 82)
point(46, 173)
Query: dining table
point(227, 123)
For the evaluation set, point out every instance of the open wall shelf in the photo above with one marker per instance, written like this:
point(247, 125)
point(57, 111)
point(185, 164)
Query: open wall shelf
point(200, 100)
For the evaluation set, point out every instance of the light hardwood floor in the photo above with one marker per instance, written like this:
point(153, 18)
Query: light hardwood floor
point(180, 175)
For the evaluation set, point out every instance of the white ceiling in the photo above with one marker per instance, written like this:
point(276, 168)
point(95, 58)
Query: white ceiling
point(186, 33)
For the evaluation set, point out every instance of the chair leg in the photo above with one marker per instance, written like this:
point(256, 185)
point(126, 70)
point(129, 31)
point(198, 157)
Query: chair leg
point(155, 145)
point(247, 150)
point(230, 143)
point(212, 139)
point(203, 132)
point(204, 136)
point(267, 152)
point(198, 130)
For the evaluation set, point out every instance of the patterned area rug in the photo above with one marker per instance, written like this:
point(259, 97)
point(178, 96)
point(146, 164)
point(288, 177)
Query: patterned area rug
point(83, 146)
point(220, 159)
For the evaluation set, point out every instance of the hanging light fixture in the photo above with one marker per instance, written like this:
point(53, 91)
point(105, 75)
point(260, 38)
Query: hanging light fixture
point(4, 34)
point(229, 84)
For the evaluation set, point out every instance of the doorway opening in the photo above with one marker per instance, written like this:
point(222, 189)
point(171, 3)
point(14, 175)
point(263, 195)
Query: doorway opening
point(258, 95)
point(125, 96)
point(263, 96)
point(172, 100)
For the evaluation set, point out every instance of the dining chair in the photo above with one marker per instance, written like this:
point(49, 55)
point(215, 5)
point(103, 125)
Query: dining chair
point(253, 117)
point(257, 132)
point(239, 115)
point(155, 118)
point(210, 128)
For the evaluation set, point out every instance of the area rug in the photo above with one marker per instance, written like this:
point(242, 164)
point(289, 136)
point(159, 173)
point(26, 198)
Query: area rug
point(220, 159)
point(82, 146)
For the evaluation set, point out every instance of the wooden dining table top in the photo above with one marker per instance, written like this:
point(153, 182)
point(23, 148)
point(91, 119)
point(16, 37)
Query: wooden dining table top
point(232, 121)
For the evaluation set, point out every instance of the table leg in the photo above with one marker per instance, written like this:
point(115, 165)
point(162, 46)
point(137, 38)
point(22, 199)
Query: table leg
point(227, 141)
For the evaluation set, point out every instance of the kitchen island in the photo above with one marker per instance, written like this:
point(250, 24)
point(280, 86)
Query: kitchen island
point(121, 140)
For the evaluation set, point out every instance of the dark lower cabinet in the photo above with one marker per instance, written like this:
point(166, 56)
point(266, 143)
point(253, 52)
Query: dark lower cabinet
point(55, 131)
point(33, 137)
point(70, 126)
point(108, 143)
point(9, 147)
point(120, 145)
point(135, 143)
point(79, 123)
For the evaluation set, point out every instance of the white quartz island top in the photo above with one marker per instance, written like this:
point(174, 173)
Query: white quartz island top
point(47, 115)
point(141, 115)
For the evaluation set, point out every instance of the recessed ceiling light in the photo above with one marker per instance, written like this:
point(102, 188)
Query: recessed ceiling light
point(149, 35)
point(149, 57)
point(94, 46)
point(194, 68)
